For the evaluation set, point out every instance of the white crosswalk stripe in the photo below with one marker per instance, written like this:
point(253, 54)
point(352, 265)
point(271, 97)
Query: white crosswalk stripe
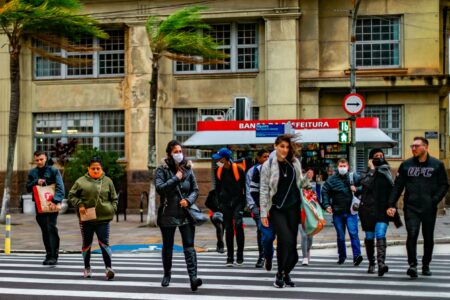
point(138, 276)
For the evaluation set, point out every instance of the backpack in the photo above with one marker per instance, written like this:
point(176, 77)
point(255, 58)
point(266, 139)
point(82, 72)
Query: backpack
point(311, 214)
point(235, 168)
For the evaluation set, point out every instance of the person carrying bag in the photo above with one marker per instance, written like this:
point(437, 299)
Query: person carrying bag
point(178, 190)
point(95, 198)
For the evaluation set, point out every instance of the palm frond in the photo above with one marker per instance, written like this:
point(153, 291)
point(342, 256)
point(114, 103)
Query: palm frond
point(71, 61)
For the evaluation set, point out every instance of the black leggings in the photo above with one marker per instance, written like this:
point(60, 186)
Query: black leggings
point(168, 234)
point(412, 222)
point(87, 233)
point(285, 222)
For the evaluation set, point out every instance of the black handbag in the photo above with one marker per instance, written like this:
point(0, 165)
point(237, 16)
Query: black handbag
point(195, 215)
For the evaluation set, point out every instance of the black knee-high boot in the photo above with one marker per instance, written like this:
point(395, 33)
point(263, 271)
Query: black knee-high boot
point(191, 263)
point(167, 264)
point(381, 256)
point(370, 251)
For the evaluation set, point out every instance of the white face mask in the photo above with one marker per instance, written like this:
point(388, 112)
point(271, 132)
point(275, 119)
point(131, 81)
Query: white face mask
point(178, 157)
point(219, 164)
point(343, 170)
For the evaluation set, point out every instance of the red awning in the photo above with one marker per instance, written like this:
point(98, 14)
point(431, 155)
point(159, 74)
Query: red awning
point(213, 134)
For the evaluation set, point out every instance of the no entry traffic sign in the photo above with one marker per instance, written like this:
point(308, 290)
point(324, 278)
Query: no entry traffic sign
point(353, 104)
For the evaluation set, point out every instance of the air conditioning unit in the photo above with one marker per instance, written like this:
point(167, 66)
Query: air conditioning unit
point(212, 118)
point(242, 108)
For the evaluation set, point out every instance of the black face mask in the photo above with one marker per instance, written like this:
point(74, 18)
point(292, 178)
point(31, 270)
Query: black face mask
point(378, 161)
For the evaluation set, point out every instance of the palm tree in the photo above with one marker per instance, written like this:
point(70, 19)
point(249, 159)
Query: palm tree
point(52, 23)
point(179, 37)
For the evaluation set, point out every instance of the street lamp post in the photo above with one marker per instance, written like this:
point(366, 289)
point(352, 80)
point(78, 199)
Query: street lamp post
point(352, 153)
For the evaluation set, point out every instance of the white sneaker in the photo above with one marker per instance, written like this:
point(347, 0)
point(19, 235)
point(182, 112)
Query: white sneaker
point(305, 261)
point(87, 273)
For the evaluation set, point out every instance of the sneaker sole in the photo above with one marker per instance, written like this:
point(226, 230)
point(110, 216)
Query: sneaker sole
point(277, 286)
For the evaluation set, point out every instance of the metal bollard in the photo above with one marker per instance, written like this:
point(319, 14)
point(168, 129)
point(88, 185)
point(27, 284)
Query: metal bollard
point(8, 235)
point(144, 195)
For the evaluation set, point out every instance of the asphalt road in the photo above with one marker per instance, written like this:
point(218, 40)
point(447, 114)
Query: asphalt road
point(138, 276)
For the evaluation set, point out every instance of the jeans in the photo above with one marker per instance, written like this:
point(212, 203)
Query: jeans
point(47, 223)
point(379, 233)
point(87, 233)
point(267, 237)
point(257, 219)
point(351, 222)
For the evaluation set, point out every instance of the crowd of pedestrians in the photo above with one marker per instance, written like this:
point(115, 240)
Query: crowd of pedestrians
point(271, 190)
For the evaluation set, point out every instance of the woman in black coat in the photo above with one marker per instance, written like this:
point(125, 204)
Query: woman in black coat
point(376, 187)
point(176, 185)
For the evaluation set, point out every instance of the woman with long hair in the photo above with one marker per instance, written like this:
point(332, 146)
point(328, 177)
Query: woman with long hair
point(377, 184)
point(281, 180)
point(96, 191)
point(176, 184)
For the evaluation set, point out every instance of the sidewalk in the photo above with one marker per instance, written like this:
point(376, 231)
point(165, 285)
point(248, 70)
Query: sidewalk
point(26, 235)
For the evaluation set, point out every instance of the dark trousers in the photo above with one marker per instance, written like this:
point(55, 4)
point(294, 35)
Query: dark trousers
point(285, 222)
point(412, 222)
point(219, 232)
point(87, 233)
point(47, 223)
point(232, 221)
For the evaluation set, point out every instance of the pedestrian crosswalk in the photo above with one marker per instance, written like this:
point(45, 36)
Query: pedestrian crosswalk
point(138, 276)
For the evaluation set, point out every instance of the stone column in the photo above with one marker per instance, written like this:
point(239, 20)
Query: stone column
point(281, 72)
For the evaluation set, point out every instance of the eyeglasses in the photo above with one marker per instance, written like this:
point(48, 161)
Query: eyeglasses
point(415, 146)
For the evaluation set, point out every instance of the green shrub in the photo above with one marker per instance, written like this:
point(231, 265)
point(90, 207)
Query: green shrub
point(79, 162)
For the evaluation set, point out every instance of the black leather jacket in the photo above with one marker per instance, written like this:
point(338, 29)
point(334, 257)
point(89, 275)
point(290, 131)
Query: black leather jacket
point(169, 187)
point(425, 184)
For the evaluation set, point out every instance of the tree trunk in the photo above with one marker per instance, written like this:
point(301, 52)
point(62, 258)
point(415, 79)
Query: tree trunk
point(151, 212)
point(14, 107)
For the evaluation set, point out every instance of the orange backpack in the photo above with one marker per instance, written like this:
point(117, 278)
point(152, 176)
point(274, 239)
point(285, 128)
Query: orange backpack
point(235, 168)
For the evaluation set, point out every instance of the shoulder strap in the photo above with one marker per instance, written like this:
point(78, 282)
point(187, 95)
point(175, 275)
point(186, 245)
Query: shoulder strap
point(219, 172)
point(235, 168)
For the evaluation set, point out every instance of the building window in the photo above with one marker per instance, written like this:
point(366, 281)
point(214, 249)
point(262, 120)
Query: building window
point(390, 117)
point(185, 125)
point(107, 61)
point(239, 41)
point(102, 130)
point(378, 42)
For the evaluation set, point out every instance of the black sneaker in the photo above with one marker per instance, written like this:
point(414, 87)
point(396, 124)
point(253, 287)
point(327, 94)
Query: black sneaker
point(259, 262)
point(288, 281)
point(239, 261)
point(268, 265)
point(220, 250)
point(45, 262)
point(341, 261)
point(426, 271)
point(412, 272)
point(52, 262)
point(230, 262)
point(279, 281)
point(357, 260)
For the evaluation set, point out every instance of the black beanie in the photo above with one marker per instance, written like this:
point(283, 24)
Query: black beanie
point(373, 151)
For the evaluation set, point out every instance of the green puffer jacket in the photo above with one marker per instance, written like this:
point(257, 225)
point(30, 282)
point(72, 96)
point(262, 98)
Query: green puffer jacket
point(90, 192)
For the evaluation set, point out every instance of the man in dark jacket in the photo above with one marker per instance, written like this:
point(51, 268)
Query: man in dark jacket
point(340, 188)
point(45, 174)
point(425, 181)
point(230, 190)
